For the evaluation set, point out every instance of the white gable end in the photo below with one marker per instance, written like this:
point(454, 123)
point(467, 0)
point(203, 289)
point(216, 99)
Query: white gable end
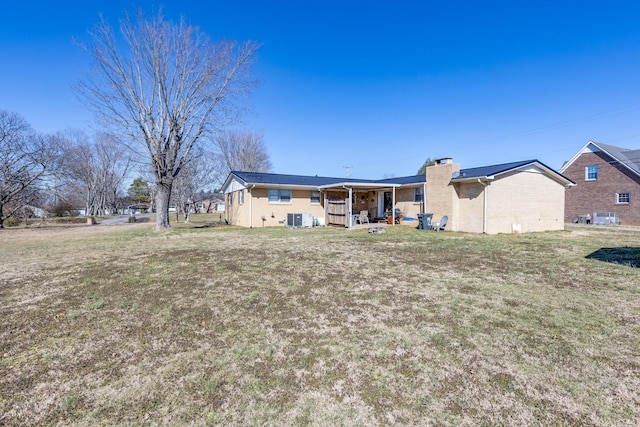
point(234, 185)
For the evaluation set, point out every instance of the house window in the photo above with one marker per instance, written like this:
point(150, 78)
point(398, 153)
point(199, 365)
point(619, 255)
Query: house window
point(418, 196)
point(241, 197)
point(279, 196)
point(315, 197)
point(230, 196)
point(591, 173)
point(623, 198)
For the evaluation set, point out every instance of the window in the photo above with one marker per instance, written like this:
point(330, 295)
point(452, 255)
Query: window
point(315, 197)
point(241, 197)
point(418, 195)
point(591, 173)
point(230, 198)
point(623, 198)
point(279, 196)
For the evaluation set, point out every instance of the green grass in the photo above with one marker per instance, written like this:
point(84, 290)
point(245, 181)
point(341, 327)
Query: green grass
point(230, 326)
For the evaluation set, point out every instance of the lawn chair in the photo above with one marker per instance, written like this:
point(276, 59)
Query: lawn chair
point(440, 225)
point(364, 217)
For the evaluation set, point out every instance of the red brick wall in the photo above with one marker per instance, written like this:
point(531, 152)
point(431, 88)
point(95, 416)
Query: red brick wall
point(588, 197)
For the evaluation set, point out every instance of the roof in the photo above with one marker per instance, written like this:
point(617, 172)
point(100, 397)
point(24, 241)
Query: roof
point(279, 180)
point(405, 180)
point(261, 178)
point(493, 170)
point(626, 157)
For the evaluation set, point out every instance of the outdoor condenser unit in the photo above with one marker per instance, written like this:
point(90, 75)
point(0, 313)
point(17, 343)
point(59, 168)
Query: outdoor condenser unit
point(298, 220)
point(606, 218)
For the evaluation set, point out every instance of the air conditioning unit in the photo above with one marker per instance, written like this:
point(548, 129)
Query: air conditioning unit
point(605, 218)
point(299, 220)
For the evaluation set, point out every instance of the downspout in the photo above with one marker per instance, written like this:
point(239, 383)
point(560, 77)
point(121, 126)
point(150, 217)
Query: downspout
point(424, 198)
point(251, 205)
point(325, 206)
point(484, 207)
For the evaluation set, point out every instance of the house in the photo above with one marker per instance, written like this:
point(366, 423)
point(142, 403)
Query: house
point(608, 179)
point(212, 204)
point(521, 196)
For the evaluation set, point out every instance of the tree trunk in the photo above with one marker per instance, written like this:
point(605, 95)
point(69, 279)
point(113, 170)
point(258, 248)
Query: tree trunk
point(163, 193)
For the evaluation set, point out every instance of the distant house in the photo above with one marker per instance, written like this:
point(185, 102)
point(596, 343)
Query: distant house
point(608, 179)
point(212, 204)
point(521, 196)
point(31, 211)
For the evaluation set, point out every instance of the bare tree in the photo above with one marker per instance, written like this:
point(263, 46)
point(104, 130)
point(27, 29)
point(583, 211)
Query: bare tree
point(167, 87)
point(241, 151)
point(94, 167)
point(26, 159)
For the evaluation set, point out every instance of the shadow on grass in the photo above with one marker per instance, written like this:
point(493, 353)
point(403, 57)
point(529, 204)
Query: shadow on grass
point(628, 256)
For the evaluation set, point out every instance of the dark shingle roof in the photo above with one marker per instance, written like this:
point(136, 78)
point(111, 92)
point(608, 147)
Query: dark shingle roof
point(414, 179)
point(487, 171)
point(492, 170)
point(629, 158)
point(281, 179)
point(316, 181)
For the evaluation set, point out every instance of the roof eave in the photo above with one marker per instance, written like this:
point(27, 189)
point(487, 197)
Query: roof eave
point(473, 179)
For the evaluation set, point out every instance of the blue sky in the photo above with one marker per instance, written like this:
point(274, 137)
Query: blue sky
point(376, 85)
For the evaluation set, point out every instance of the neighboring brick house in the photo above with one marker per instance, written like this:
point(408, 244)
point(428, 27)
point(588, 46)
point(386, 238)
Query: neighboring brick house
point(608, 181)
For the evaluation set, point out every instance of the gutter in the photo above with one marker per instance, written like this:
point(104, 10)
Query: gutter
point(250, 205)
point(484, 205)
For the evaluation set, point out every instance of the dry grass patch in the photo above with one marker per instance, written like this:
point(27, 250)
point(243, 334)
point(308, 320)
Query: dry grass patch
point(229, 326)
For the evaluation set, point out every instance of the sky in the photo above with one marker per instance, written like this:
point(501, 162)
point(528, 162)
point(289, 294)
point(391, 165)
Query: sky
point(371, 89)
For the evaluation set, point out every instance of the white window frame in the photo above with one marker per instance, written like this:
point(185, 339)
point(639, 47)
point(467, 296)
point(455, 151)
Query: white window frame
point(586, 173)
point(241, 197)
point(625, 196)
point(230, 198)
point(315, 197)
point(418, 191)
point(279, 192)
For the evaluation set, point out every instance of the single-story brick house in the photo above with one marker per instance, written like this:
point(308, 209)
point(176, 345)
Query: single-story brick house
point(608, 180)
point(521, 196)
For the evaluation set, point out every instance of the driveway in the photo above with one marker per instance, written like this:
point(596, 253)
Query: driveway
point(121, 219)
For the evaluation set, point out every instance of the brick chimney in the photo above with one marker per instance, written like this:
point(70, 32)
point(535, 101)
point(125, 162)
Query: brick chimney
point(441, 198)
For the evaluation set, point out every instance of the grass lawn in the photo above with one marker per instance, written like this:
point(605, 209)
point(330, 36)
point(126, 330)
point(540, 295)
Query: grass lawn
point(105, 325)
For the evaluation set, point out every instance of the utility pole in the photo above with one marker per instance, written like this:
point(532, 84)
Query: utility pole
point(347, 169)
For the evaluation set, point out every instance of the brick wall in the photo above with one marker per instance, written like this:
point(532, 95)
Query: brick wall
point(588, 197)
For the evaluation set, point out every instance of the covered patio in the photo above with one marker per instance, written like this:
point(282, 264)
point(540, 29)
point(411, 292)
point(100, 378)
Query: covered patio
point(350, 203)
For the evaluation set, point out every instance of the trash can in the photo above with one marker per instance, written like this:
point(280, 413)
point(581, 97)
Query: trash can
point(424, 221)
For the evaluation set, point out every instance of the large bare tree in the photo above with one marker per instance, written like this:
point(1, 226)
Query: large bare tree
point(26, 160)
point(240, 150)
point(168, 88)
